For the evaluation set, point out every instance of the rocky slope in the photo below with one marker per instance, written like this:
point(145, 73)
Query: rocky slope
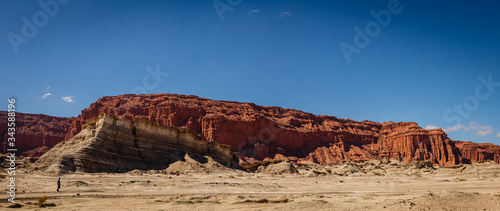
point(274, 133)
point(110, 144)
point(35, 133)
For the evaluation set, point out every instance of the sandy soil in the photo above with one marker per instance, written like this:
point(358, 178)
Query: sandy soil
point(338, 187)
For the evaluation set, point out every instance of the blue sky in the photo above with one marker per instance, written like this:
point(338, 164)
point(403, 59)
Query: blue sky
point(434, 62)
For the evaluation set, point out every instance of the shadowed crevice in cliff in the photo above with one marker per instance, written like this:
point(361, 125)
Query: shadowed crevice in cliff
point(138, 152)
point(110, 144)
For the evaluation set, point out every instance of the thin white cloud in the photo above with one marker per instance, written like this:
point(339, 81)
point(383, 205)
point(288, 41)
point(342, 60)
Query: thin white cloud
point(283, 14)
point(481, 130)
point(68, 99)
point(431, 127)
point(485, 130)
point(498, 135)
point(45, 95)
point(456, 127)
point(253, 11)
point(48, 87)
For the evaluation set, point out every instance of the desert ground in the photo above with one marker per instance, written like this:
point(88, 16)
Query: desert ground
point(368, 185)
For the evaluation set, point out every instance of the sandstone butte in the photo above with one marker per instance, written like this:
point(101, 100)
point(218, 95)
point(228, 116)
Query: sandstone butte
point(263, 133)
point(35, 133)
point(110, 144)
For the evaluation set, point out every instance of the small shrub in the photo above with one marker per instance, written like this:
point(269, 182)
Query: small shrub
point(461, 180)
point(3, 176)
point(41, 201)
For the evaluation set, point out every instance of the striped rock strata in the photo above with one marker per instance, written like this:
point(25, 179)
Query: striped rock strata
point(110, 144)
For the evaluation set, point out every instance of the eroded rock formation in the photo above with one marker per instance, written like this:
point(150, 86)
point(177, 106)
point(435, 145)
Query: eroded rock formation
point(34, 131)
point(274, 133)
point(474, 152)
point(110, 144)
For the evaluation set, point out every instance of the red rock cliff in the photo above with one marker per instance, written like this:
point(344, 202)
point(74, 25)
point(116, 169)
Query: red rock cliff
point(34, 131)
point(259, 132)
point(474, 152)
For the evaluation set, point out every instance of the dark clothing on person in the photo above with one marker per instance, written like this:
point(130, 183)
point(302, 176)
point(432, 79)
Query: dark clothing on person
point(58, 184)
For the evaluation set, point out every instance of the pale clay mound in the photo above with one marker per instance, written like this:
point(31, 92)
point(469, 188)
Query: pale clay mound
point(278, 168)
point(108, 144)
point(189, 165)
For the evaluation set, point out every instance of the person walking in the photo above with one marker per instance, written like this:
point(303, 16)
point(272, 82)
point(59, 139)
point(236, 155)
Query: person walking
point(58, 184)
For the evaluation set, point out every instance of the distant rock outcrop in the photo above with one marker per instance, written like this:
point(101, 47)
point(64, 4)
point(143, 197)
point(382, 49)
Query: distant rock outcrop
point(474, 152)
point(34, 131)
point(274, 133)
point(110, 144)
